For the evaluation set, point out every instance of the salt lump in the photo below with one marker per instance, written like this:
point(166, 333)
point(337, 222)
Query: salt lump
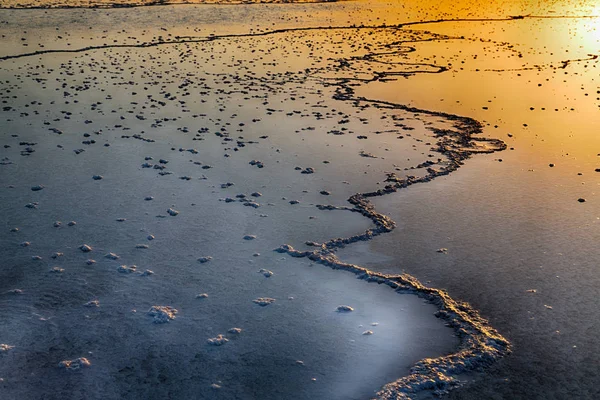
point(344, 309)
point(5, 348)
point(218, 341)
point(263, 301)
point(162, 314)
point(74, 365)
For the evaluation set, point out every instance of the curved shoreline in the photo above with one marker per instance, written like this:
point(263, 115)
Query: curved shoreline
point(480, 344)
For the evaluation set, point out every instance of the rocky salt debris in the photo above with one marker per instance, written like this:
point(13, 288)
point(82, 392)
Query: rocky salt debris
point(162, 314)
point(172, 212)
point(344, 309)
point(204, 259)
point(443, 250)
point(263, 301)
point(219, 340)
point(5, 348)
point(125, 269)
point(266, 272)
point(76, 364)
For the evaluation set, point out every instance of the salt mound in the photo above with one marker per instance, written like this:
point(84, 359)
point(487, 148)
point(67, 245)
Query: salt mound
point(162, 314)
point(263, 301)
point(127, 270)
point(266, 272)
point(344, 309)
point(4, 348)
point(74, 365)
point(218, 341)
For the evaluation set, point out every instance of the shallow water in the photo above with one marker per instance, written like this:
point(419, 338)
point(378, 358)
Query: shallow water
point(355, 105)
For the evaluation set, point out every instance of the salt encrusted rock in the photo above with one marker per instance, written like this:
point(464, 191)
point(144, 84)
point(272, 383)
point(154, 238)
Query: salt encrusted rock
point(5, 348)
point(367, 333)
point(218, 341)
point(266, 272)
point(235, 331)
point(249, 237)
point(37, 188)
point(85, 248)
point(92, 303)
point(97, 177)
point(263, 301)
point(162, 314)
point(112, 256)
point(344, 309)
point(202, 296)
point(90, 262)
point(204, 259)
point(172, 212)
point(76, 364)
point(127, 269)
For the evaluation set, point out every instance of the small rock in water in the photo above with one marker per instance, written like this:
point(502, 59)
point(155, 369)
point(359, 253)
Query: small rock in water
point(202, 296)
point(25, 244)
point(218, 341)
point(235, 331)
point(14, 229)
point(37, 258)
point(162, 314)
point(57, 270)
point(141, 246)
point(97, 177)
point(263, 301)
point(172, 212)
point(266, 272)
point(112, 256)
point(249, 237)
point(126, 269)
point(57, 224)
point(344, 309)
point(148, 198)
point(369, 332)
point(121, 219)
point(15, 291)
point(92, 303)
point(85, 248)
point(443, 250)
point(74, 365)
point(150, 237)
point(72, 223)
point(90, 262)
point(37, 188)
point(5, 348)
point(204, 259)
point(57, 254)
